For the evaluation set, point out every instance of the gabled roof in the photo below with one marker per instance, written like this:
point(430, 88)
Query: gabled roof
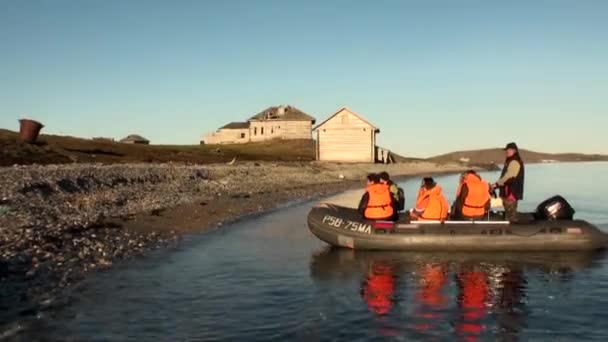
point(236, 125)
point(290, 113)
point(377, 130)
point(135, 137)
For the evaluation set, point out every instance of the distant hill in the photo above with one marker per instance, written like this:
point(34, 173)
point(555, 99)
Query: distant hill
point(497, 156)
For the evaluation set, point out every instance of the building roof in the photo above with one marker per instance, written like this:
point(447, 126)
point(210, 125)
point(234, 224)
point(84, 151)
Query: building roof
point(236, 125)
point(288, 113)
point(376, 129)
point(135, 137)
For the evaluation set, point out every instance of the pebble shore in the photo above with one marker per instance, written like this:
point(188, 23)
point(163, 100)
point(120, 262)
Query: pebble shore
point(57, 222)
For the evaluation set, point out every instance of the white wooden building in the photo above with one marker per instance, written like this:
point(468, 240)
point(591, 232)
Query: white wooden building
point(277, 122)
point(346, 137)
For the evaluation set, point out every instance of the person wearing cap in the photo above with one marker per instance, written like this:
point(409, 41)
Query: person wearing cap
point(431, 205)
point(511, 181)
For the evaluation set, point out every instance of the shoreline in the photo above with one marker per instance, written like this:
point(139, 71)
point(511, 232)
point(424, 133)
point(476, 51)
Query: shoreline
point(200, 217)
point(60, 222)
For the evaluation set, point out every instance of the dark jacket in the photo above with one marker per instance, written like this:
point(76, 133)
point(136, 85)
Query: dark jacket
point(513, 186)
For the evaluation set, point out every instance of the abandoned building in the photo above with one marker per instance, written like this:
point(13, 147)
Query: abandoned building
point(278, 122)
point(135, 139)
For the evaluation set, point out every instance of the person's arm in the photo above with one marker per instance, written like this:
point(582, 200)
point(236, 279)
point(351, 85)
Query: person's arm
point(512, 172)
point(459, 202)
point(420, 208)
point(363, 203)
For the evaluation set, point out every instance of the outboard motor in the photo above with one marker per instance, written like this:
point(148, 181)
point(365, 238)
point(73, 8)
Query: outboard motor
point(554, 208)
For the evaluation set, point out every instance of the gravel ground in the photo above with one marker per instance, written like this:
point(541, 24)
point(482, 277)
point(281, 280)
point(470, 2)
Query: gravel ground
point(58, 222)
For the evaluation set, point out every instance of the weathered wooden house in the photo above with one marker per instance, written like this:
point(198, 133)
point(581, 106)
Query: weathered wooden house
point(135, 139)
point(346, 137)
point(278, 122)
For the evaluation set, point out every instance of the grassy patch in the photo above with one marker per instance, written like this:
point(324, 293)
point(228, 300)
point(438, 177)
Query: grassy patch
point(53, 149)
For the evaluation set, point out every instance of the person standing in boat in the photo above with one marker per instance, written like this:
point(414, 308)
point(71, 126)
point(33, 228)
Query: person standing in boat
point(511, 182)
point(472, 197)
point(377, 202)
point(431, 205)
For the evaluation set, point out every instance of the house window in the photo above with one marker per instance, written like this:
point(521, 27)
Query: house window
point(272, 130)
point(255, 131)
point(262, 131)
point(345, 119)
point(242, 135)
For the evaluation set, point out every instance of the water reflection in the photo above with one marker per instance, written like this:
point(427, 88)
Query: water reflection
point(378, 286)
point(431, 301)
point(473, 296)
point(465, 295)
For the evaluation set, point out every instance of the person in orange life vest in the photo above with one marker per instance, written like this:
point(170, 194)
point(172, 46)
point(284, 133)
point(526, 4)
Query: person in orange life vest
point(378, 288)
point(431, 205)
point(396, 194)
point(472, 197)
point(376, 203)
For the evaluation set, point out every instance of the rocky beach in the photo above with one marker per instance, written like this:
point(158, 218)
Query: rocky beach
point(59, 222)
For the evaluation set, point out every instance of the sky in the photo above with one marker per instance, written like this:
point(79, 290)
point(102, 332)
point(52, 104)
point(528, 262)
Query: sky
point(434, 76)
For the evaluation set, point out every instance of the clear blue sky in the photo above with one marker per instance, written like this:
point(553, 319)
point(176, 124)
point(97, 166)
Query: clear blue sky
point(435, 76)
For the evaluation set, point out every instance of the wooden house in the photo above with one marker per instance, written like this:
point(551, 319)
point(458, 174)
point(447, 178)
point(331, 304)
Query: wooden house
point(346, 137)
point(277, 122)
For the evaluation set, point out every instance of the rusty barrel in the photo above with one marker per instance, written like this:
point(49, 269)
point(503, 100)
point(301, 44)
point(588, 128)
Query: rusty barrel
point(29, 130)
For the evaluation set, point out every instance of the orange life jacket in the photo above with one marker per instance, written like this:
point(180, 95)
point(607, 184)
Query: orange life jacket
point(437, 206)
point(474, 205)
point(379, 205)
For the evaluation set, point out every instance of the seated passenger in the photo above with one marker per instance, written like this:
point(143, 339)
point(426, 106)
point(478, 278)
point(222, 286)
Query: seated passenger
point(376, 203)
point(431, 205)
point(472, 197)
point(396, 193)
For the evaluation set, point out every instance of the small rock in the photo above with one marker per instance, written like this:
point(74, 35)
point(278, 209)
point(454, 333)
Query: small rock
point(156, 212)
point(4, 210)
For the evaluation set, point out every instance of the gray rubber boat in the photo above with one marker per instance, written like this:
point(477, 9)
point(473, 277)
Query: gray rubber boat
point(344, 227)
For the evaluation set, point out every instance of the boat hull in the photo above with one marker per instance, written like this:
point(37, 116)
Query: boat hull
point(343, 227)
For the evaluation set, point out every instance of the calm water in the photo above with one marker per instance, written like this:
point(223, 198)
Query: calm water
point(268, 279)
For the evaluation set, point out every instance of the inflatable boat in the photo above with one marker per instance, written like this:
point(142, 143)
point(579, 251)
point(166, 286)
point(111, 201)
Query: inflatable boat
point(344, 227)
